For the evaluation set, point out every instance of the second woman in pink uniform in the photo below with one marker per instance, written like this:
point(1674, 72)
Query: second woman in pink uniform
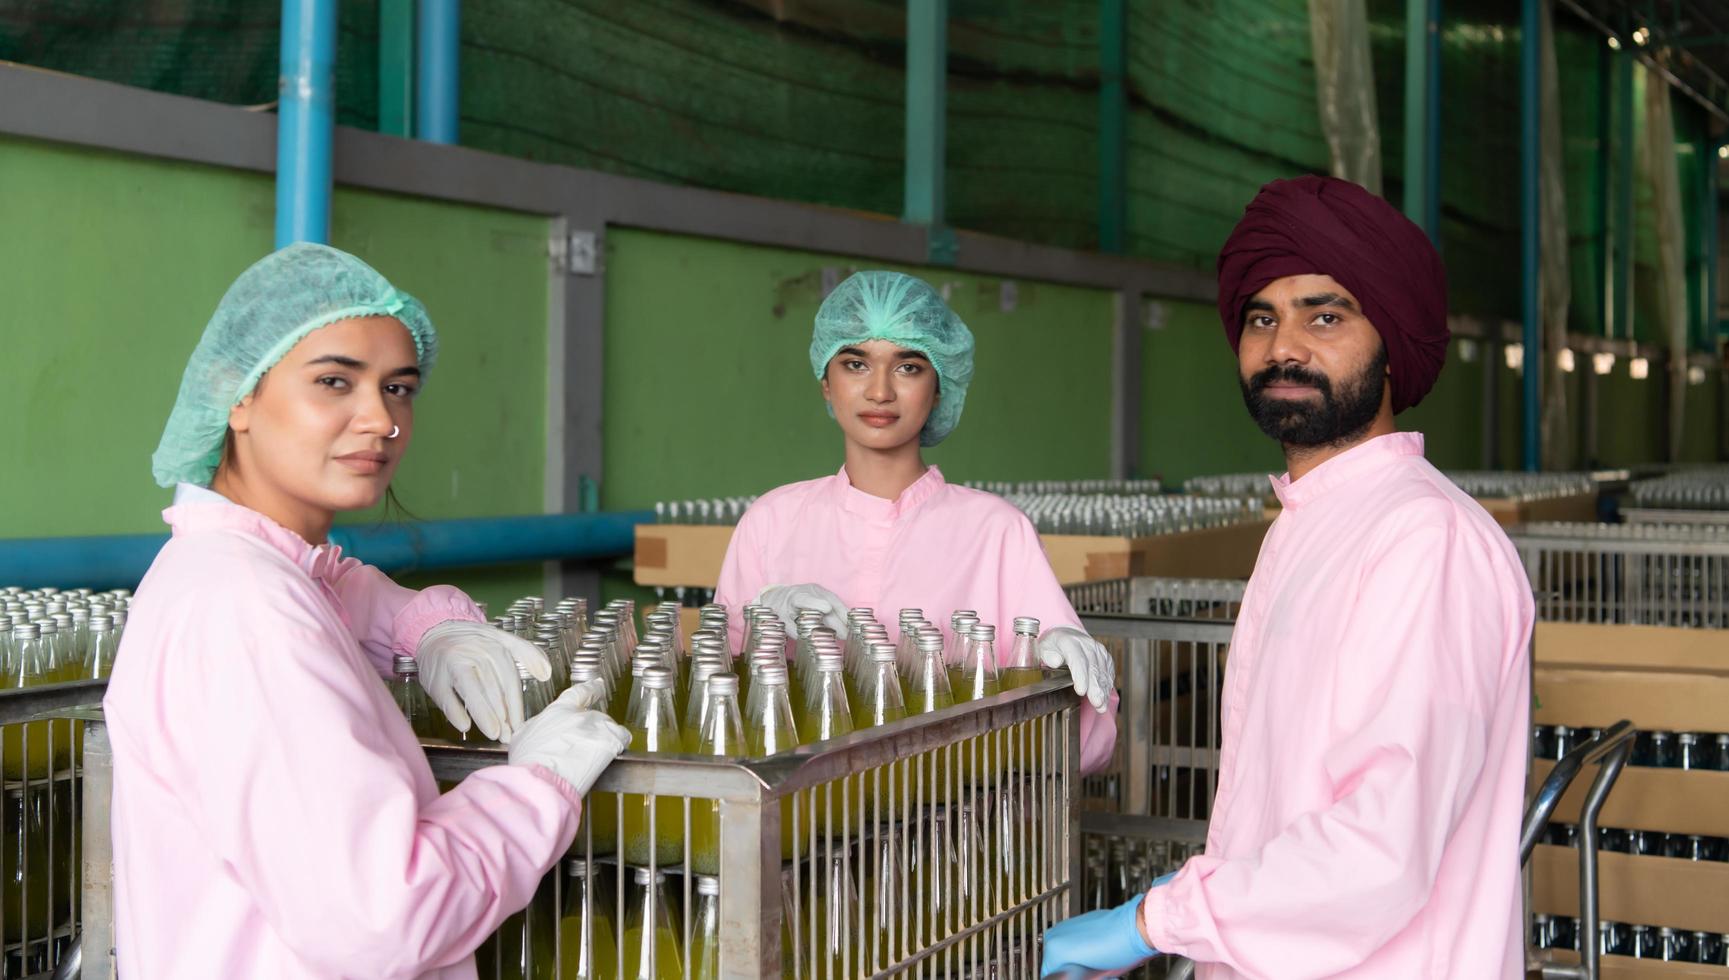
point(887, 531)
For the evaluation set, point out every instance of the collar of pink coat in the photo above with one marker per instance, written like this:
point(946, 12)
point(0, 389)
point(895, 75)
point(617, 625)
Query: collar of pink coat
point(866, 507)
point(323, 562)
point(1346, 467)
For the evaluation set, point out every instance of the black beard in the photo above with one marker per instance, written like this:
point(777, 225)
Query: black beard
point(1337, 420)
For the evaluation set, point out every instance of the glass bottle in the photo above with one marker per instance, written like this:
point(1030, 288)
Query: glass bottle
point(550, 639)
point(99, 653)
point(587, 938)
point(705, 929)
point(723, 736)
point(534, 693)
point(696, 708)
point(656, 821)
point(410, 698)
point(1689, 753)
point(929, 690)
point(628, 696)
point(1023, 666)
point(651, 940)
point(955, 651)
point(977, 678)
point(827, 712)
point(881, 700)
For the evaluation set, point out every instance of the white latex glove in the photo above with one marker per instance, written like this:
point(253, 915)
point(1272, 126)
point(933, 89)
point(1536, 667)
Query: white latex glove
point(787, 600)
point(469, 671)
point(570, 739)
point(1088, 662)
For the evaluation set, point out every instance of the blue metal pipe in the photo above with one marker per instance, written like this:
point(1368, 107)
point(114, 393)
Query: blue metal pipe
point(1530, 231)
point(120, 561)
point(438, 47)
point(305, 121)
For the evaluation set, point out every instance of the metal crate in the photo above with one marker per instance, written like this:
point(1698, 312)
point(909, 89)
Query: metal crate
point(1647, 574)
point(939, 846)
point(1200, 599)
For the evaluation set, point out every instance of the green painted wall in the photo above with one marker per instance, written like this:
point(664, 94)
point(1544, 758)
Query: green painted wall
point(709, 389)
point(1193, 421)
point(110, 266)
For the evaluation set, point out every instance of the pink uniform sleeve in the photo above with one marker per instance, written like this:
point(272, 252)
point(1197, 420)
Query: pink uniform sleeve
point(1030, 588)
point(390, 620)
point(742, 572)
point(1408, 721)
point(292, 778)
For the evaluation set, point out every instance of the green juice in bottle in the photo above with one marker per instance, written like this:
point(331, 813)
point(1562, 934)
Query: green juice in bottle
point(587, 939)
point(770, 730)
point(722, 736)
point(652, 949)
point(654, 729)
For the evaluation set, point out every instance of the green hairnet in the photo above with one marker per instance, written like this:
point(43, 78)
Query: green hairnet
point(906, 312)
point(279, 300)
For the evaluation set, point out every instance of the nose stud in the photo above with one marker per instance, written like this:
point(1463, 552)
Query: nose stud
point(395, 431)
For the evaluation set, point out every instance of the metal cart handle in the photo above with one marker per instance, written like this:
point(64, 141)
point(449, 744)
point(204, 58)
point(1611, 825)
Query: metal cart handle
point(1610, 752)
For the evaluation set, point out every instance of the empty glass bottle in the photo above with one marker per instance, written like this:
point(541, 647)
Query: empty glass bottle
point(100, 649)
point(410, 698)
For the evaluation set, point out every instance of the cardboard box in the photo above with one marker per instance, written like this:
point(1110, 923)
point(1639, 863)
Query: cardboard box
point(1675, 801)
point(1672, 892)
point(1628, 968)
point(675, 555)
point(1575, 509)
point(690, 555)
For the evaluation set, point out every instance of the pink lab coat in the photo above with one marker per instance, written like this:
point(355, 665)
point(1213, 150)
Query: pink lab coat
point(274, 816)
point(1376, 711)
point(937, 547)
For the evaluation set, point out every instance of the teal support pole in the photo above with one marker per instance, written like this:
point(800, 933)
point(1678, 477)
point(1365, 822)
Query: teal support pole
point(1622, 279)
point(926, 122)
point(1713, 327)
point(1113, 126)
point(305, 121)
point(438, 47)
point(1423, 115)
point(396, 67)
point(1530, 232)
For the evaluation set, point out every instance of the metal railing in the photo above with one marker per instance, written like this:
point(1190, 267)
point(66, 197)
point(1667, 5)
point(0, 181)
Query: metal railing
point(942, 845)
point(1652, 575)
point(1203, 599)
point(39, 845)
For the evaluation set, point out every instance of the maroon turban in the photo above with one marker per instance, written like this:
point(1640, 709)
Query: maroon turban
point(1326, 226)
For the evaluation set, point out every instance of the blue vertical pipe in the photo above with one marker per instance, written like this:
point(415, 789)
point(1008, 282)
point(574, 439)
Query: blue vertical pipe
point(305, 121)
point(438, 48)
point(1422, 115)
point(1530, 231)
point(926, 110)
point(1113, 126)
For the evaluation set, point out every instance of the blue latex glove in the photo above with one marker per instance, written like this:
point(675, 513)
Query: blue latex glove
point(1108, 939)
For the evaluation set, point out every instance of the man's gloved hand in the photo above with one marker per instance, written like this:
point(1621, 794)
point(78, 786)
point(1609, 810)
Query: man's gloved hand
point(469, 671)
point(570, 738)
point(1088, 662)
point(787, 600)
point(1109, 939)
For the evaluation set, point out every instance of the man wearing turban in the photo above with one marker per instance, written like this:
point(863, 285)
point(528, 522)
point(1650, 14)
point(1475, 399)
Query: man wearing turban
point(1376, 703)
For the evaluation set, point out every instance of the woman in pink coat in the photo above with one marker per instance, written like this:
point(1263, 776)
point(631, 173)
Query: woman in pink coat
point(274, 815)
point(887, 531)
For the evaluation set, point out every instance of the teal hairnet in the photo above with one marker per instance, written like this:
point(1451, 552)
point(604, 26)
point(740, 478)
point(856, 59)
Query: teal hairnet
point(279, 300)
point(906, 312)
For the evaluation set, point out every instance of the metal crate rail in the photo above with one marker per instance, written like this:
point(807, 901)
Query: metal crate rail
point(1649, 575)
point(942, 845)
point(1202, 599)
point(39, 845)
